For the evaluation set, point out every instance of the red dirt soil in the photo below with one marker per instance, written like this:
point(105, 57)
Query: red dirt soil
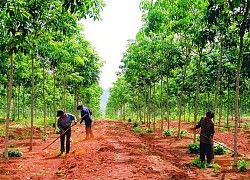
point(117, 152)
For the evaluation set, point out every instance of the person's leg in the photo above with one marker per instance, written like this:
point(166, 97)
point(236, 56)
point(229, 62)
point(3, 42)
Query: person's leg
point(68, 134)
point(202, 152)
point(210, 153)
point(62, 139)
point(87, 132)
point(90, 132)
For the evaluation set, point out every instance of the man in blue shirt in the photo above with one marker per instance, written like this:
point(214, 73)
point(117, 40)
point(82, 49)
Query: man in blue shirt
point(86, 115)
point(64, 124)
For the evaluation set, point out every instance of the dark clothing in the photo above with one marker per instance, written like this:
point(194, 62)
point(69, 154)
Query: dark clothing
point(206, 149)
point(206, 135)
point(62, 140)
point(207, 130)
point(64, 124)
point(86, 115)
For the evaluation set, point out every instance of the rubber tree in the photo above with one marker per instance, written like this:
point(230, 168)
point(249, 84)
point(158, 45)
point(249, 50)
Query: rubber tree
point(14, 18)
point(181, 17)
point(239, 21)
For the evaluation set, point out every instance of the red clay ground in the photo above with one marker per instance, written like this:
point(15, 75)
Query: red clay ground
point(116, 152)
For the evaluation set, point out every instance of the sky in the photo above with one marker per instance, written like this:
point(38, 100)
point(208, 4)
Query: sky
point(121, 20)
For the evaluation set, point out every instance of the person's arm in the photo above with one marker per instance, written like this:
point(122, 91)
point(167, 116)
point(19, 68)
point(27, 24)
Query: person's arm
point(83, 114)
point(59, 125)
point(198, 125)
point(212, 131)
point(73, 118)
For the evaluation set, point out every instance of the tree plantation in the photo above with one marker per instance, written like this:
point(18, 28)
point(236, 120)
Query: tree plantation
point(188, 58)
point(46, 63)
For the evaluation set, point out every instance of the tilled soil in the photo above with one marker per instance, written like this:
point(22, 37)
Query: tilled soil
point(117, 152)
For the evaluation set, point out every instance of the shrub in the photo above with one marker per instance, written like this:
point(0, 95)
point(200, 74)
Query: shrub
point(183, 133)
point(216, 168)
point(168, 132)
point(193, 148)
point(222, 129)
point(198, 163)
point(219, 149)
point(149, 130)
point(57, 131)
point(143, 146)
point(136, 124)
point(197, 137)
point(13, 153)
point(242, 165)
point(137, 129)
point(246, 125)
point(45, 137)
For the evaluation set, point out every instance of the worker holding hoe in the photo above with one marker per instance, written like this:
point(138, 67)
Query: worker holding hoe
point(86, 116)
point(64, 125)
point(206, 137)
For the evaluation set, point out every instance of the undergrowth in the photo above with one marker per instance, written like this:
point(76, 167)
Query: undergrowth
point(13, 153)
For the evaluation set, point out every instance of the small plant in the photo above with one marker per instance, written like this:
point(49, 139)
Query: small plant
point(246, 125)
point(136, 124)
point(11, 145)
point(242, 165)
point(143, 146)
point(137, 129)
point(183, 133)
point(57, 131)
point(229, 126)
point(13, 153)
point(168, 132)
point(45, 137)
point(216, 168)
point(198, 163)
point(193, 148)
point(219, 149)
point(149, 130)
point(197, 137)
point(222, 129)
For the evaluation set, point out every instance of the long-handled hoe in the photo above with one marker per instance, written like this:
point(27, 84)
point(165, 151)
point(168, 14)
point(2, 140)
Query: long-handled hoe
point(60, 135)
point(219, 143)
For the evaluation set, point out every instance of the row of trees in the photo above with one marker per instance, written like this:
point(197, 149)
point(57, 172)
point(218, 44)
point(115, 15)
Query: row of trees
point(46, 63)
point(189, 57)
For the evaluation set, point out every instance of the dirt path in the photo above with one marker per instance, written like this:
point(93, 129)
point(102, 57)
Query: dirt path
point(116, 152)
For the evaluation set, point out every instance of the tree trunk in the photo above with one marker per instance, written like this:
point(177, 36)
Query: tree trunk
point(54, 97)
point(63, 93)
point(32, 103)
point(154, 108)
point(167, 105)
point(237, 103)
point(23, 111)
point(197, 93)
point(149, 106)
point(137, 106)
point(6, 141)
point(218, 78)
point(161, 104)
point(44, 100)
point(228, 102)
point(181, 95)
point(220, 111)
point(18, 101)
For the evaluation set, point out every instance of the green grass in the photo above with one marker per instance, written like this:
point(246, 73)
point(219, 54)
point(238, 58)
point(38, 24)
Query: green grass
point(24, 124)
